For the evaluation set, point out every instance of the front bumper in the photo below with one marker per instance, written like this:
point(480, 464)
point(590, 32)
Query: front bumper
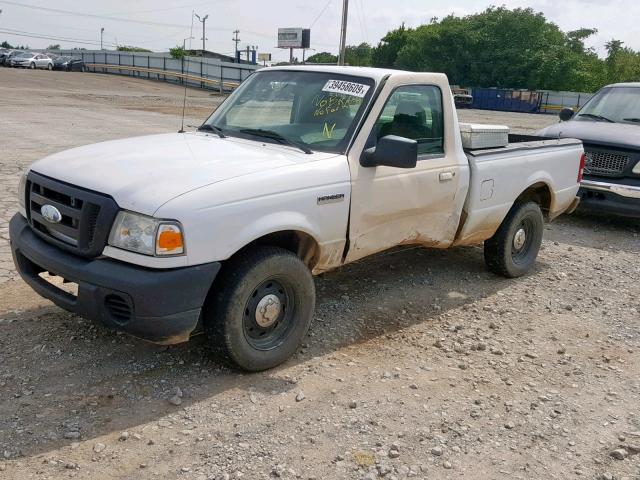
point(612, 198)
point(162, 306)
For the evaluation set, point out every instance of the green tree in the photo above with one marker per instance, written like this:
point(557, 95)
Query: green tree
point(622, 63)
point(177, 52)
point(6, 44)
point(510, 48)
point(322, 57)
point(55, 46)
point(128, 48)
point(358, 55)
point(386, 53)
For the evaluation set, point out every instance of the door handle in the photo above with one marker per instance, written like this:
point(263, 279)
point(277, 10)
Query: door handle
point(446, 176)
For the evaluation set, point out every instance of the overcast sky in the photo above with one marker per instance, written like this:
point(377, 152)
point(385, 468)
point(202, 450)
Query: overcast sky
point(159, 25)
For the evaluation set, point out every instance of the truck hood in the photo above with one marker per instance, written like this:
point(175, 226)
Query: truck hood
point(621, 135)
point(143, 173)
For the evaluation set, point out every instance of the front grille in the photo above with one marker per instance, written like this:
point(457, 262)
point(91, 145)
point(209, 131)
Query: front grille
point(606, 163)
point(85, 217)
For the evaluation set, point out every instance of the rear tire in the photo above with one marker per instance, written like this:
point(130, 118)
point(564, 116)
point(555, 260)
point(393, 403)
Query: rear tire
point(32, 66)
point(49, 66)
point(513, 250)
point(260, 308)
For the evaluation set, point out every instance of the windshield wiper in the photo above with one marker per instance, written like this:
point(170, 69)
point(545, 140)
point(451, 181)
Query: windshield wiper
point(211, 128)
point(634, 120)
point(597, 117)
point(259, 132)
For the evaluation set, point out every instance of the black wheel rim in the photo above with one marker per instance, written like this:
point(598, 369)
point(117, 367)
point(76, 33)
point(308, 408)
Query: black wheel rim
point(522, 241)
point(268, 314)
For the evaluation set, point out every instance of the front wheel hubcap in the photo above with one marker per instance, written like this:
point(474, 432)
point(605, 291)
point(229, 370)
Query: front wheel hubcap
point(519, 239)
point(269, 314)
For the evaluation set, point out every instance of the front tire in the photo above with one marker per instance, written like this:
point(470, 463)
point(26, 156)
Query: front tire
point(513, 250)
point(32, 66)
point(49, 67)
point(260, 308)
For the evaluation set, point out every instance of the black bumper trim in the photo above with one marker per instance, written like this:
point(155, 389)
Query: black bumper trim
point(608, 202)
point(165, 304)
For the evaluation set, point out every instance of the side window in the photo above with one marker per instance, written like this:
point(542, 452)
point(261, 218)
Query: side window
point(415, 112)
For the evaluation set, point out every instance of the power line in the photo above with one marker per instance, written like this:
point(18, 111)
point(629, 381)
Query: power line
point(118, 19)
point(320, 14)
point(364, 21)
point(92, 15)
point(135, 12)
point(359, 17)
point(21, 33)
point(141, 22)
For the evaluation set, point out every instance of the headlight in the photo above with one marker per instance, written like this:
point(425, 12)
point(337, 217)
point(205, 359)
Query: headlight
point(22, 185)
point(636, 169)
point(146, 235)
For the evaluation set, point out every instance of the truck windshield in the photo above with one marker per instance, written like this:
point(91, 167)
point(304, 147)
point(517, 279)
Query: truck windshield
point(613, 104)
point(314, 110)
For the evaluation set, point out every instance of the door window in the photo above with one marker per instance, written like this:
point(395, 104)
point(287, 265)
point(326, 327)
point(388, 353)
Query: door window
point(414, 112)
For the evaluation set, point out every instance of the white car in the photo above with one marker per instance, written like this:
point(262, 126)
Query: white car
point(32, 60)
point(301, 170)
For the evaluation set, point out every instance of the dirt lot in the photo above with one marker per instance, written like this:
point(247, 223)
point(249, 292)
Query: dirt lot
point(419, 363)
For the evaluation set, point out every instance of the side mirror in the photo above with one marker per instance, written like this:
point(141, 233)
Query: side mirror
point(391, 151)
point(566, 114)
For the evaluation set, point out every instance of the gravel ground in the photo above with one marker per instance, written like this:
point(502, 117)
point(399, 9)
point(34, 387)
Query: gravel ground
point(419, 363)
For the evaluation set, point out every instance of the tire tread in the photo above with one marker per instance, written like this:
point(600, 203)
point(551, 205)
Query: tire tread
point(221, 300)
point(497, 255)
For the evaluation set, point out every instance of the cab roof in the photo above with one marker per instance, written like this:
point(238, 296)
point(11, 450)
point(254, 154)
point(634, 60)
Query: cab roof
point(626, 84)
point(377, 74)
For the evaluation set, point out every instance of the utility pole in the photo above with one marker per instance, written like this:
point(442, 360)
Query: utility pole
point(343, 31)
point(204, 37)
point(236, 41)
point(101, 35)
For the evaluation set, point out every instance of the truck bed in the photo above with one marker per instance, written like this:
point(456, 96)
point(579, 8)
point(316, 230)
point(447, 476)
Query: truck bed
point(520, 142)
point(501, 175)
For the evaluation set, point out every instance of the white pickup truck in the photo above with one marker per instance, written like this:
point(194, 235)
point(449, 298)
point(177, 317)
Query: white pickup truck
point(300, 170)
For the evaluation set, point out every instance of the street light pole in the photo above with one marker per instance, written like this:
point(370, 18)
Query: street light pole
point(343, 31)
point(101, 35)
point(204, 38)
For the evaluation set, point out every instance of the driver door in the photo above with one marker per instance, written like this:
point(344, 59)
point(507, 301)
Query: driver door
point(393, 206)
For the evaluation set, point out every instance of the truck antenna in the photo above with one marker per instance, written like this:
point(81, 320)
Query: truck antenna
point(185, 79)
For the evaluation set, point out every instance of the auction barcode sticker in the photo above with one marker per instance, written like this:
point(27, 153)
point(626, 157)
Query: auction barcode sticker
point(347, 88)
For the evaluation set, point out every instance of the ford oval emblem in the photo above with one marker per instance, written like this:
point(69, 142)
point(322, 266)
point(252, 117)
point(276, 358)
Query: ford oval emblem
point(50, 213)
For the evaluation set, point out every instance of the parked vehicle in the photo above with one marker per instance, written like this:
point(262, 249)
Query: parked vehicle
point(609, 126)
point(6, 60)
point(32, 60)
point(462, 97)
point(222, 229)
point(69, 64)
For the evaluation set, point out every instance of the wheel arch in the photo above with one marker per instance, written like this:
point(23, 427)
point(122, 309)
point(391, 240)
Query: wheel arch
point(298, 241)
point(540, 193)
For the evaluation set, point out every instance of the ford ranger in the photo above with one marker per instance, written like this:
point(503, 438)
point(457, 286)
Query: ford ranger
point(301, 170)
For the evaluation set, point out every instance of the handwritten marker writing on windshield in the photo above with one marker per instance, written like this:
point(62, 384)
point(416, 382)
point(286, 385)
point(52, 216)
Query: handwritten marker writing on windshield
point(328, 132)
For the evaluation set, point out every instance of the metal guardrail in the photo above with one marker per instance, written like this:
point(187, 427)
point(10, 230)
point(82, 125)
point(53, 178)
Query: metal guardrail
point(220, 84)
point(198, 72)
